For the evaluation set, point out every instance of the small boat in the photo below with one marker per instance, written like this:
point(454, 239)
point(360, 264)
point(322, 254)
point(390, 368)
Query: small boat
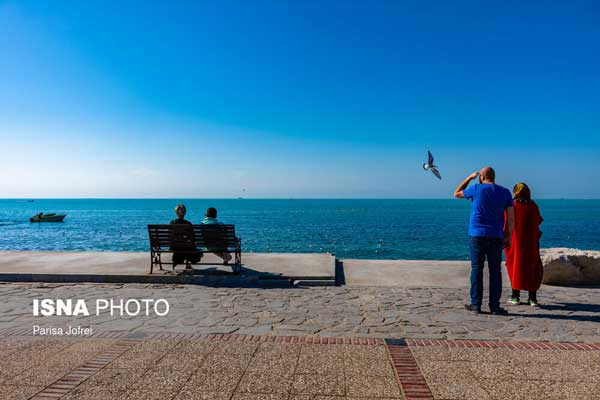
point(41, 217)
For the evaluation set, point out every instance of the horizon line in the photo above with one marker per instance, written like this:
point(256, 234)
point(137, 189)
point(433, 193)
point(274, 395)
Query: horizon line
point(268, 198)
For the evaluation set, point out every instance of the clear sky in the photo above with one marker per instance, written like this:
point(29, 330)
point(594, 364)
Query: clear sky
point(297, 99)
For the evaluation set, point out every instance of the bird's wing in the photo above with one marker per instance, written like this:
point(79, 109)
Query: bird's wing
point(430, 158)
point(435, 172)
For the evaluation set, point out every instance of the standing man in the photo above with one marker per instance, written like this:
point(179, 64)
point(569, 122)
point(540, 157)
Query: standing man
point(486, 230)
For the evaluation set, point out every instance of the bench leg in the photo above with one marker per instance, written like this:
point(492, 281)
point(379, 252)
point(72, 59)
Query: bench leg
point(159, 262)
point(151, 261)
point(238, 260)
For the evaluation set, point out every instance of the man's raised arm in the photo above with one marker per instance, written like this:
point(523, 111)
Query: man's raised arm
point(458, 193)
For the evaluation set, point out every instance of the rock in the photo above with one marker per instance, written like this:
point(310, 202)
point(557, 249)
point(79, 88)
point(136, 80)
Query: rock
point(571, 267)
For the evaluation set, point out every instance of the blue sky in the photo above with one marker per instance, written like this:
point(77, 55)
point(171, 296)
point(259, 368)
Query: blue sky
point(297, 99)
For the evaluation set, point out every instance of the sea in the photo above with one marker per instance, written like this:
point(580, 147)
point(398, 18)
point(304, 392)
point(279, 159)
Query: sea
point(363, 229)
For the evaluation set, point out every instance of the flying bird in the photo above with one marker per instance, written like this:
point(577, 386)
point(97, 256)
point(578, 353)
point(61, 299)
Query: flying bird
point(429, 165)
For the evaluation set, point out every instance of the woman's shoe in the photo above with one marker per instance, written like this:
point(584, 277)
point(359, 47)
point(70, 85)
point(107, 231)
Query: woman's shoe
point(514, 301)
point(533, 303)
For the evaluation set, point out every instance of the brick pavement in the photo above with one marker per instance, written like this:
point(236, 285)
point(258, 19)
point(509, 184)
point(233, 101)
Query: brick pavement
point(296, 368)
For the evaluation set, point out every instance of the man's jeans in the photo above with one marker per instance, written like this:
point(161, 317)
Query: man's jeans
point(482, 247)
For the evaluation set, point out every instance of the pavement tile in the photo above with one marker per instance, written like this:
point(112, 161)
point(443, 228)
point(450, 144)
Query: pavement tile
point(367, 398)
point(261, 382)
point(39, 376)
point(447, 370)
point(66, 361)
point(188, 393)
point(217, 362)
point(181, 360)
point(581, 390)
point(368, 366)
point(463, 389)
point(155, 346)
point(19, 392)
point(431, 353)
point(331, 385)
point(87, 392)
point(509, 389)
point(372, 386)
point(222, 381)
point(11, 345)
point(577, 357)
point(115, 379)
point(322, 350)
point(88, 346)
point(163, 378)
point(524, 356)
point(273, 362)
point(326, 364)
point(195, 346)
point(546, 372)
point(222, 347)
point(6, 375)
point(320, 397)
point(279, 349)
point(261, 396)
point(365, 351)
point(136, 359)
point(149, 394)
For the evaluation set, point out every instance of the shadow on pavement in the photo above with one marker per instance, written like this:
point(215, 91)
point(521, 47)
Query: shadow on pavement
point(567, 307)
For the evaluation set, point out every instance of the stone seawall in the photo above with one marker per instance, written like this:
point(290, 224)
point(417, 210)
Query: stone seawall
point(571, 267)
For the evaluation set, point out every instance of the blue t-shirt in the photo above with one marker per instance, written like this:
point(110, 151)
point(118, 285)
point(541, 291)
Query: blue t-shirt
point(487, 213)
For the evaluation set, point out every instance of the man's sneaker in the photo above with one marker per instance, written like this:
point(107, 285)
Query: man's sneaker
point(472, 308)
point(533, 303)
point(499, 311)
point(514, 301)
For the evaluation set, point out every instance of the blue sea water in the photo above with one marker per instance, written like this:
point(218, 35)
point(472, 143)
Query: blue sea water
point(374, 229)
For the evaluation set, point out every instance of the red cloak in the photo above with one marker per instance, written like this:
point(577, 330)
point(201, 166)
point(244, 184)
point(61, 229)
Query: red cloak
point(523, 260)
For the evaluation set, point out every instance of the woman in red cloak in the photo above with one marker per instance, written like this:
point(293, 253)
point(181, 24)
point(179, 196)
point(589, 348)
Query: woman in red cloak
point(523, 260)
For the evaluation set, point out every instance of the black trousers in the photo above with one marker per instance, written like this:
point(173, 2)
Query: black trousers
point(182, 258)
point(517, 294)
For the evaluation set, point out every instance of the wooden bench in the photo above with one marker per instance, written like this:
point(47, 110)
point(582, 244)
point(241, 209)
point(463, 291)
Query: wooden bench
point(193, 239)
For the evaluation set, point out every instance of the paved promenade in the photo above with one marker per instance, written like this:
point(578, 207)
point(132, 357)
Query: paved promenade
point(293, 368)
point(252, 340)
point(569, 314)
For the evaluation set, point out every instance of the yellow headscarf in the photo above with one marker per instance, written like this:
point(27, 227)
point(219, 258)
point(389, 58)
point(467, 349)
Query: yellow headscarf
point(521, 192)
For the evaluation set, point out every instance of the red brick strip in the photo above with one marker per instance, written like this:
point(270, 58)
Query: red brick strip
point(291, 339)
point(327, 340)
point(409, 375)
point(497, 344)
point(125, 335)
point(76, 377)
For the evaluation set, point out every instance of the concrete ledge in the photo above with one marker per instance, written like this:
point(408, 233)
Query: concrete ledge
point(410, 273)
point(129, 267)
point(154, 278)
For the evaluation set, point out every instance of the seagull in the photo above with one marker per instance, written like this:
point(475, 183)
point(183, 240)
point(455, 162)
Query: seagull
point(429, 165)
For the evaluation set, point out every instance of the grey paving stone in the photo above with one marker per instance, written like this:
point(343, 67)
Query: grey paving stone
point(337, 311)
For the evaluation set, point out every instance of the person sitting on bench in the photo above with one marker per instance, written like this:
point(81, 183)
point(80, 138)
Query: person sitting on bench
point(186, 256)
point(211, 219)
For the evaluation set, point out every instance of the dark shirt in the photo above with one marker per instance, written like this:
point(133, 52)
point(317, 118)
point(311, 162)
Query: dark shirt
point(185, 237)
point(180, 221)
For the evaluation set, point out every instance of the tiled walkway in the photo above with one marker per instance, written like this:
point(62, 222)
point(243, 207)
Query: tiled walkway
point(295, 368)
point(569, 314)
